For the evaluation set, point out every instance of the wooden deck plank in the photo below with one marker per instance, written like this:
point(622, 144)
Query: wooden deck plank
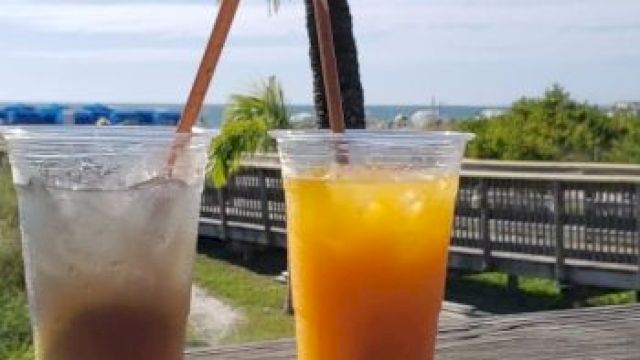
point(611, 333)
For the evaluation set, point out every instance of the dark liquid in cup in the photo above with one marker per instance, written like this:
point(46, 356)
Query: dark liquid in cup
point(109, 272)
point(117, 332)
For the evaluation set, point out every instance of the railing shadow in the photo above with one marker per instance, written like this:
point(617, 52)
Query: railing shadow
point(489, 292)
point(267, 261)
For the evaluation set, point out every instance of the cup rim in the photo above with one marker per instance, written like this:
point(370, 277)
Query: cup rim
point(371, 135)
point(61, 133)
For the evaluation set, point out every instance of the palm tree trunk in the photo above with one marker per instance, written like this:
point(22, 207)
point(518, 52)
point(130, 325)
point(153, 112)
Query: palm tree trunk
point(348, 67)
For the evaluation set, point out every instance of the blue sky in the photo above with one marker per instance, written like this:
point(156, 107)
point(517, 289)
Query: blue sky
point(461, 51)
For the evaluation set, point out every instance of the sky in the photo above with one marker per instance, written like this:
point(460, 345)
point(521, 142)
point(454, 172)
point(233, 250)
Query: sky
point(475, 52)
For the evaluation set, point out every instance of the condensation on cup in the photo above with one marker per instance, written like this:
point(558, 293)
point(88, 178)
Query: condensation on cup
point(109, 227)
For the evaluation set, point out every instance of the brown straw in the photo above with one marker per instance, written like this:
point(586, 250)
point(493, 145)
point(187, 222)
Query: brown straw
point(329, 65)
point(208, 65)
point(210, 59)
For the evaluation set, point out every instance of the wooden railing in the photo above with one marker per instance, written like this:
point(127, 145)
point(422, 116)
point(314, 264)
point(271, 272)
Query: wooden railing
point(529, 220)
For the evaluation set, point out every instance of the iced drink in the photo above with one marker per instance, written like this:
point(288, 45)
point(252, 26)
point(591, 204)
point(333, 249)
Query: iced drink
point(108, 239)
point(369, 224)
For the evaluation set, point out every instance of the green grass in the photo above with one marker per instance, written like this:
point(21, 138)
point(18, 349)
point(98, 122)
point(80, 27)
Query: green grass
point(489, 292)
point(15, 329)
point(258, 297)
point(193, 339)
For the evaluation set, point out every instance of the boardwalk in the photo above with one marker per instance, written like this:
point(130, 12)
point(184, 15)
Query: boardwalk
point(610, 333)
point(579, 224)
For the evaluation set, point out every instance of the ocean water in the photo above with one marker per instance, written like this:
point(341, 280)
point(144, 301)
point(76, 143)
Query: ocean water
point(212, 114)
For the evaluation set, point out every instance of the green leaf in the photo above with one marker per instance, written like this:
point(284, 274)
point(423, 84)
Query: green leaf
point(247, 121)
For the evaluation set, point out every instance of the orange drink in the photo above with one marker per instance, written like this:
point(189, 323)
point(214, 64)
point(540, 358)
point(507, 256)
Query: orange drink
point(368, 258)
point(369, 230)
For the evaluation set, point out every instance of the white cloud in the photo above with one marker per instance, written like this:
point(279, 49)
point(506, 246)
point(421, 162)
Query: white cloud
point(239, 55)
point(458, 49)
point(504, 31)
point(174, 19)
point(507, 19)
point(168, 20)
point(493, 14)
point(110, 55)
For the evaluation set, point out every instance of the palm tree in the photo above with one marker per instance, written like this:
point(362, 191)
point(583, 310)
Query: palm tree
point(348, 66)
point(347, 58)
point(249, 117)
point(247, 121)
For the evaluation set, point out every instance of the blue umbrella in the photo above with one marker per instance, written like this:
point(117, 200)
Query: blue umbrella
point(166, 117)
point(53, 114)
point(132, 117)
point(84, 117)
point(25, 116)
point(100, 110)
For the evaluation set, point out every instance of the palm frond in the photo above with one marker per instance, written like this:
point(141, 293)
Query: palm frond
point(275, 108)
point(235, 139)
point(266, 100)
point(247, 121)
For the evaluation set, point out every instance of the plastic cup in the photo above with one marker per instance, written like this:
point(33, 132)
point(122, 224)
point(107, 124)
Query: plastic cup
point(108, 234)
point(369, 218)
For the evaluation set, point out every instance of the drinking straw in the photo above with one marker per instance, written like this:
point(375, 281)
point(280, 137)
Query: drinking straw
point(208, 65)
point(212, 53)
point(329, 65)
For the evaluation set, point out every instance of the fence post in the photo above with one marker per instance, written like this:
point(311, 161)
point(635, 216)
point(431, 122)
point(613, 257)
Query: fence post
point(264, 205)
point(485, 231)
point(558, 222)
point(288, 301)
point(637, 238)
point(222, 204)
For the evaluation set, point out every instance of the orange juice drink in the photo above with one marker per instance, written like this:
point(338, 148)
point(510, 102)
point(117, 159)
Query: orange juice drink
point(368, 260)
point(369, 222)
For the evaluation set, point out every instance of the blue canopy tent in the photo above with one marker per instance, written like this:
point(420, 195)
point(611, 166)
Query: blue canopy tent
point(25, 117)
point(91, 114)
point(53, 114)
point(132, 117)
point(84, 117)
point(100, 110)
point(20, 114)
point(166, 118)
point(19, 107)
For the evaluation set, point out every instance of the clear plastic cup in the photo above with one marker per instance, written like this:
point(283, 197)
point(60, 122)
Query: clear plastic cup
point(109, 232)
point(369, 217)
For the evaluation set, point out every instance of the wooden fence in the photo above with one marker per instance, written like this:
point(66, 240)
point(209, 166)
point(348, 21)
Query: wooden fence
point(564, 225)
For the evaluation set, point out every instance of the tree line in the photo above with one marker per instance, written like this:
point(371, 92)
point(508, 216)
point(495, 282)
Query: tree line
point(555, 127)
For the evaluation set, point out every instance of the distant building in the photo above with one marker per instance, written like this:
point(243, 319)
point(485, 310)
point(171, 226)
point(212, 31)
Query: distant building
point(303, 120)
point(423, 119)
point(378, 124)
point(627, 107)
point(491, 113)
point(401, 121)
